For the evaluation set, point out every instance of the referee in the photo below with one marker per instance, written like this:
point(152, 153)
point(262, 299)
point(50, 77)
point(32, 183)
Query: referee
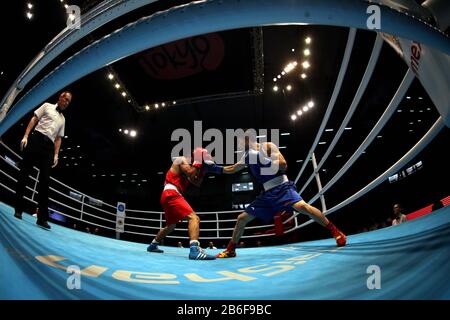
point(41, 149)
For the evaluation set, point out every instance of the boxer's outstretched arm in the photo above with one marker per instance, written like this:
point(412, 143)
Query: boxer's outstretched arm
point(234, 168)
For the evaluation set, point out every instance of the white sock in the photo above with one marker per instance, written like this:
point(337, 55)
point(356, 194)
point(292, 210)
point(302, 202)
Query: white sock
point(154, 241)
point(194, 243)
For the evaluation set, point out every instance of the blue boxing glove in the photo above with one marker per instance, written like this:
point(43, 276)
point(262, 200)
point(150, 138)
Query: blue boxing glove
point(265, 161)
point(258, 157)
point(211, 166)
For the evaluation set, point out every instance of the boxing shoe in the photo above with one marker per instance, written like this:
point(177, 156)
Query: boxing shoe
point(340, 237)
point(197, 253)
point(226, 254)
point(153, 247)
point(44, 224)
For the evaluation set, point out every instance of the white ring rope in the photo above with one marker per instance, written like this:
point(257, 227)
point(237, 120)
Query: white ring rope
point(390, 110)
point(334, 96)
point(355, 103)
point(404, 86)
point(420, 145)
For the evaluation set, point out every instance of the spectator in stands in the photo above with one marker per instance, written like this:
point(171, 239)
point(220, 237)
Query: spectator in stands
point(180, 245)
point(75, 226)
point(259, 243)
point(96, 230)
point(88, 230)
point(399, 217)
point(241, 244)
point(211, 245)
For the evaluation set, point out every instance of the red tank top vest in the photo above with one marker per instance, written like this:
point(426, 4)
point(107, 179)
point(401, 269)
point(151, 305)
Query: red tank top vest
point(177, 180)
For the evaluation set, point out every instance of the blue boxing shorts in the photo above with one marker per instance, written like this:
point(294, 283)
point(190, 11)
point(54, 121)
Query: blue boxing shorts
point(278, 199)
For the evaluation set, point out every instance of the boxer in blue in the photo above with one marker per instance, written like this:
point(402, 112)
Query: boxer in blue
point(268, 166)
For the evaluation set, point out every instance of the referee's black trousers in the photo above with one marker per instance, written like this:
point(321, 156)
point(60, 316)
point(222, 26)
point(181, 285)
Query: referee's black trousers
point(39, 153)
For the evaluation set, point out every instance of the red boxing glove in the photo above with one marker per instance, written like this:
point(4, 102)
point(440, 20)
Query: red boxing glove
point(197, 165)
point(206, 156)
point(198, 156)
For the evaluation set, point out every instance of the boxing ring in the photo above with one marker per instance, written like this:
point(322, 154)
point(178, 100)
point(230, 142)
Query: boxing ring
point(412, 257)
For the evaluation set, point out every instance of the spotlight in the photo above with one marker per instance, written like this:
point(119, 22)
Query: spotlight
point(147, 107)
point(306, 65)
point(274, 79)
point(66, 6)
point(30, 6)
point(293, 50)
point(303, 75)
point(293, 117)
point(305, 108)
point(283, 73)
point(120, 130)
point(156, 105)
point(308, 40)
point(133, 133)
point(275, 88)
point(310, 104)
point(117, 86)
point(307, 52)
point(29, 15)
point(289, 88)
point(174, 102)
point(289, 68)
point(126, 131)
point(279, 77)
point(163, 104)
point(124, 94)
point(110, 76)
point(299, 112)
point(71, 17)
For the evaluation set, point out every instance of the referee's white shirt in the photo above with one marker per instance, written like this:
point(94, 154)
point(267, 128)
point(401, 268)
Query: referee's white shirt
point(51, 122)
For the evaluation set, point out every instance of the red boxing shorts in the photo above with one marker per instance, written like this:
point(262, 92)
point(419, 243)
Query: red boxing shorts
point(175, 206)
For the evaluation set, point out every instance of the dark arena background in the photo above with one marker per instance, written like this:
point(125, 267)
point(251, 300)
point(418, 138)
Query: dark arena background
point(362, 112)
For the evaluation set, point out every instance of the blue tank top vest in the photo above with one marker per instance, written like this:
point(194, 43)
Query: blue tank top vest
point(256, 161)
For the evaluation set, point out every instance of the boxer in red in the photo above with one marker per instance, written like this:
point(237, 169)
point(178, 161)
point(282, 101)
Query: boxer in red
point(181, 174)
